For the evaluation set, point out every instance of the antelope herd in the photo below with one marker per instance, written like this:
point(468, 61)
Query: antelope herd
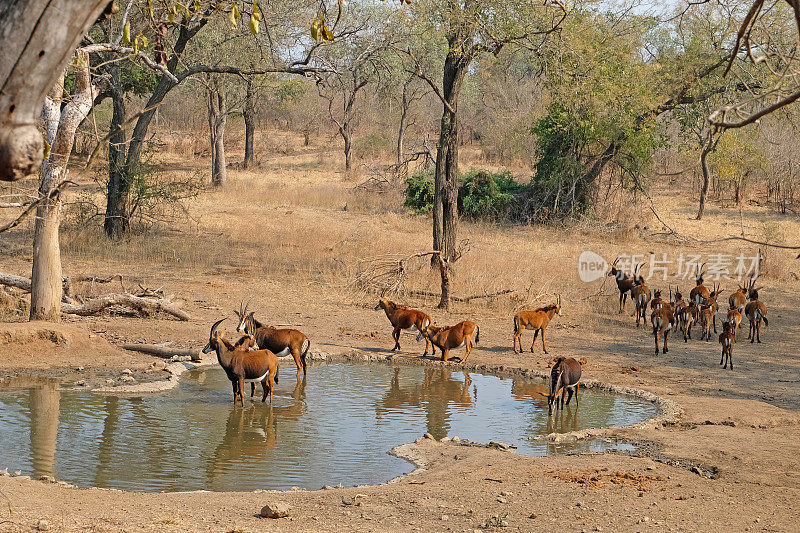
point(701, 309)
point(254, 357)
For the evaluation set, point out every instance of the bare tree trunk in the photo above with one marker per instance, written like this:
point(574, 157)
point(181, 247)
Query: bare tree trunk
point(117, 219)
point(249, 115)
point(37, 37)
point(217, 118)
point(348, 158)
point(46, 283)
point(401, 130)
point(706, 178)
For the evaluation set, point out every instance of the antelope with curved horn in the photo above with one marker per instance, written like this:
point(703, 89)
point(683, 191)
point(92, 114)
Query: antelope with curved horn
point(756, 311)
point(699, 292)
point(624, 283)
point(738, 300)
point(405, 318)
point(243, 365)
point(663, 319)
point(535, 320)
point(711, 301)
point(280, 341)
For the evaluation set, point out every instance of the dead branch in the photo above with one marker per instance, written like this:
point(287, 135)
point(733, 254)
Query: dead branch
point(162, 351)
point(96, 305)
point(32, 205)
point(466, 299)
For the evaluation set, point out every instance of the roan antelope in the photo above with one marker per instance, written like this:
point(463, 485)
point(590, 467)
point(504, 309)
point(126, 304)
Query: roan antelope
point(449, 338)
point(243, 365)
point(535, 320)
point(565, 375)
point(756, 311)
point(699, 293)
point(281, 341)
point(624, 283)
point(727, 339)
point(404, 318)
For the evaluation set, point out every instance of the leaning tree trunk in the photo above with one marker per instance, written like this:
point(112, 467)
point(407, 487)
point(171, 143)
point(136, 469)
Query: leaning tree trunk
point(348, 147)
point(249, 115)
point(117, 219)
point(217, 118)
point(46, 282)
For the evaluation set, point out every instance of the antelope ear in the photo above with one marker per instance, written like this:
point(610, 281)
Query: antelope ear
point(552, 362)
point(583, 361)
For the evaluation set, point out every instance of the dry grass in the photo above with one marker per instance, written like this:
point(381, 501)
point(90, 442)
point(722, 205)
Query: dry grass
point(297, 219)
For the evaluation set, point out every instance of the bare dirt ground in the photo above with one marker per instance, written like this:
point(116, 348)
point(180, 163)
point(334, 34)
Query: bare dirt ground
point(281, 234)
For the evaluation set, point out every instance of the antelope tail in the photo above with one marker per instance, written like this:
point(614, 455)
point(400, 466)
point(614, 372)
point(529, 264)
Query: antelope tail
point(303, 355)
point(516, 325)
point(766, 322)
point(478, 332)
point(276, 373)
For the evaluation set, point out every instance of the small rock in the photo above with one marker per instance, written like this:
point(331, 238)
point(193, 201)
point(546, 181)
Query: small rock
point(128, 379)
point(598, 528)
point(47, 479)
point(445, 439)
point(501, 500)
point(428, 436)
point(109, 381)
point(4, 472)
point(506, 493)
point(127, 372)
point(43, 525)
point(276, 509)
point(17, 473)
point(578, 504)
point(533, 516)
point(80, 383)
point(456, 439)
point(79, 369)
point(444, 518)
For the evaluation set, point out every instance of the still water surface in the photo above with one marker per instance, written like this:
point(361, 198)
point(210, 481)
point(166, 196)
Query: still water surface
point(336, 427)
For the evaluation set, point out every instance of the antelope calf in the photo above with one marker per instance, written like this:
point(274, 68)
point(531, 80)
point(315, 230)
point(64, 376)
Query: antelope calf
point(756, 311)
point(243, 365)
point(662, 319)
point(624, 283)
point(734, 318)
point(706, 317)
point(565, 375)
point(687, 316)
point(535, 320)
point(281, 341)
point(640, 294)
point(738, 300)
point(451, 337)
point(404, 318)
point(727, 339)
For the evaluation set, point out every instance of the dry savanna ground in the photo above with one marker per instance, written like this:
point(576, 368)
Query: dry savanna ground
point(297, 235)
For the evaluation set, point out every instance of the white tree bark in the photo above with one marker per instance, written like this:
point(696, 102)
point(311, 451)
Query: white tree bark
point(46, 287)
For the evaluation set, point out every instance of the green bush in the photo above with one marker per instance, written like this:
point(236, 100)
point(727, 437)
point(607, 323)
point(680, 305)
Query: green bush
point(419, 192)
point(482, 195)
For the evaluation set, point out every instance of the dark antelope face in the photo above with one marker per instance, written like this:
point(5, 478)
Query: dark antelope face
point(242, 316)
point(427, 332)
point(214, 336)
point(558, 304)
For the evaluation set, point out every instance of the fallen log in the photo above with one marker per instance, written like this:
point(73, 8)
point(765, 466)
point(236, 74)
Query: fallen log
point(96, 305)
point(465, 299)
point(162, 351)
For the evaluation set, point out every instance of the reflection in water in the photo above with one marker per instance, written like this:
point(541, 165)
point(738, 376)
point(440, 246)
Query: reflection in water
point(44, 405)
point(335, 428)
point(433, 394)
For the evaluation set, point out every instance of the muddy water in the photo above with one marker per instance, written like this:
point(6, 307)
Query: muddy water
point(336, 427)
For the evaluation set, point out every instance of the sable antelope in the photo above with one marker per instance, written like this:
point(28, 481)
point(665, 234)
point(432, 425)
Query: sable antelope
point(700, 292)
point(706, 317)
point(687, 316)
point(280, 341)
point(535, 320)
point(624, 283)
point(565, 375)
point(449, 338)
point(738, 300)
point(756, 311)
point(404, 318)
point(640, 294)
point(679, 303)
point(727, 339)
point(734, 318)
point(662, 319)
point(243, 365)
point(656, 302)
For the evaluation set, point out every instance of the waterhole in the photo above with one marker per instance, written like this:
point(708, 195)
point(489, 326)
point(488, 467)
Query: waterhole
point(335, 427)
